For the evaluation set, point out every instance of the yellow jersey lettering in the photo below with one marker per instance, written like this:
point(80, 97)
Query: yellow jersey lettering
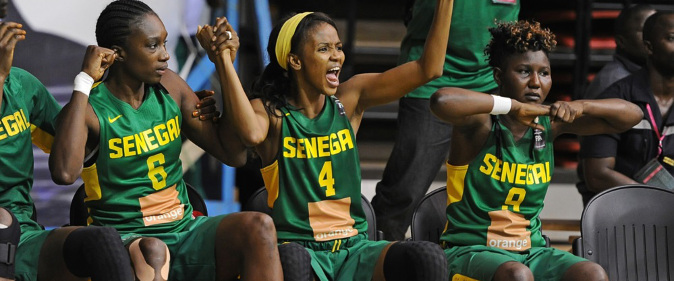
point(300, 148)
point(496, 174)
point(323, 146)
point(141, 146)
point(114, 146)
point(162, 136)
point(508, 173)
point(21, 124)
point(172, 128)
point(25, 119)
point(10, 127)
point(289, 145)
point(310, 146)
point(520, 177)
point(345, 139)
point(488, 167)
point(334, 148)
point(539, 173)
point(2, 135)
point(149, 139)
point(128, 146)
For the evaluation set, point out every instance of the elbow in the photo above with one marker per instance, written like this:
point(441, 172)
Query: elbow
point(433, 74)
point(254, 139)
point(62, 177)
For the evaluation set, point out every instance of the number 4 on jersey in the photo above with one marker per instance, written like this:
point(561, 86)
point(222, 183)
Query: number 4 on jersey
point(326, 180)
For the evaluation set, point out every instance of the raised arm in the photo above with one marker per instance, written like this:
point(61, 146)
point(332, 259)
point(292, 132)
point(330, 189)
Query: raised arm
point(251, 123)
point(366, 90)
point(590, 117)
point(77, 118)
point(466, 108)
point(10, 34)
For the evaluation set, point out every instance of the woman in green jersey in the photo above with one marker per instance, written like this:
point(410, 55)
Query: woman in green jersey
point(303, 122)
point(129, 127)
point(501, 162)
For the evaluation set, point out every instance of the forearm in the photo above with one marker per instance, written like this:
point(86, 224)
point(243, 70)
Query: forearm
point(450, 104)
point(433, 57)
point(68, 149)
point(238, 111)
point(600, 180)
point(618, 114)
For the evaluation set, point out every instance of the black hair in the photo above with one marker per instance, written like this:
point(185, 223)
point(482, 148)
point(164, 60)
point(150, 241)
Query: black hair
point(114, 22)
point(628, 16)
point(651, 22)
point(509, 38)
point(274, 85)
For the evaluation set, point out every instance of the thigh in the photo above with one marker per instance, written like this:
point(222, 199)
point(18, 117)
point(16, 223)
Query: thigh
point(356, 261)
point(51, 262)
point(477, 262)
point(192, 249)
point(550, 263)
point(28, 253)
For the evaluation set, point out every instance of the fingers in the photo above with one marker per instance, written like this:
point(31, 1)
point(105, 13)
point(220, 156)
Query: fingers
point(204, 94)
point(97, 60)
point(10, 33)
point(564, 111)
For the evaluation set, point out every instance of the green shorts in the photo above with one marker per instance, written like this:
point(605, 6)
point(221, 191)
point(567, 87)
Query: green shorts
point(28, 254)
point(192, 249)
point(480, 262)
point(353, 258)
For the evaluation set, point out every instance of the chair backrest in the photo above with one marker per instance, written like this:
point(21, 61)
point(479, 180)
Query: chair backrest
point(258, 202)
point(429, 217)
point(629, 231)
point(79, 213)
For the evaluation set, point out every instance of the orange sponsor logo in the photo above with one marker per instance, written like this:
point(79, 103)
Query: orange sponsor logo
point(331, 219)
point(508, 231)
point(162, 207)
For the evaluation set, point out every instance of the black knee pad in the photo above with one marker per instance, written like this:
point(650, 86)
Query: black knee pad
point(415, 260)
point(97, 252)
point(296, 262)
point(9, 241)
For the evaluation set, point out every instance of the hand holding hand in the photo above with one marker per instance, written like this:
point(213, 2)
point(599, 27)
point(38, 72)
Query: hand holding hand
point(206, 107)
point(526, 113)
point(218, 40)
point(566, 111)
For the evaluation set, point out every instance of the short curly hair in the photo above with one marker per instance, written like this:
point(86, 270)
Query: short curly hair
point(509, 38)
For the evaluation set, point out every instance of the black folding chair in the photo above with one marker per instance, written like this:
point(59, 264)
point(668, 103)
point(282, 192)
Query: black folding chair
point(629, 231)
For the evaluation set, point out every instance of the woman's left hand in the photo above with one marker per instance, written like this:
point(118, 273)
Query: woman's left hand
point(565, 111)
point(206, 107)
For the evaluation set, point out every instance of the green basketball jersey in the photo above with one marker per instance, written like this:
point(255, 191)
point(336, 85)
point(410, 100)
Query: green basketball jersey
point(314, 184)
point(465, 61)
point(496, 199)
point(136, 183)
point(27, 107)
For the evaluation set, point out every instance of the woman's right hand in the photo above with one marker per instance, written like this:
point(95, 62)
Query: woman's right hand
point(527, 114)
point(10, 34)
point(97, 60)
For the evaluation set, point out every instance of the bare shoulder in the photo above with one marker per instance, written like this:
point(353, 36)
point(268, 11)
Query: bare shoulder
point(175, 85)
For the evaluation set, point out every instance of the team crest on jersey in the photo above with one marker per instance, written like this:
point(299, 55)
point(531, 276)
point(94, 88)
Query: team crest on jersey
point(340, 107)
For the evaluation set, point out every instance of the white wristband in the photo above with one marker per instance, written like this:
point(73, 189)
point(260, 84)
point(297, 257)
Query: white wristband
point(501, 105)
point(83, 83)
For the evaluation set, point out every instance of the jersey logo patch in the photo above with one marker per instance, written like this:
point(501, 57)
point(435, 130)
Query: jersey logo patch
point(112, 120)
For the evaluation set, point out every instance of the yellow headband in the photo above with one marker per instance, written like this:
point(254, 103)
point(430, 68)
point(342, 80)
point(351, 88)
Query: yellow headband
point(284, 38)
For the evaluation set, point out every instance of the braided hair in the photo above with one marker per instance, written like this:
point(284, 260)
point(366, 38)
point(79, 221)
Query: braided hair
point(517, 37)
point(274, 85)
point(114, 22)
